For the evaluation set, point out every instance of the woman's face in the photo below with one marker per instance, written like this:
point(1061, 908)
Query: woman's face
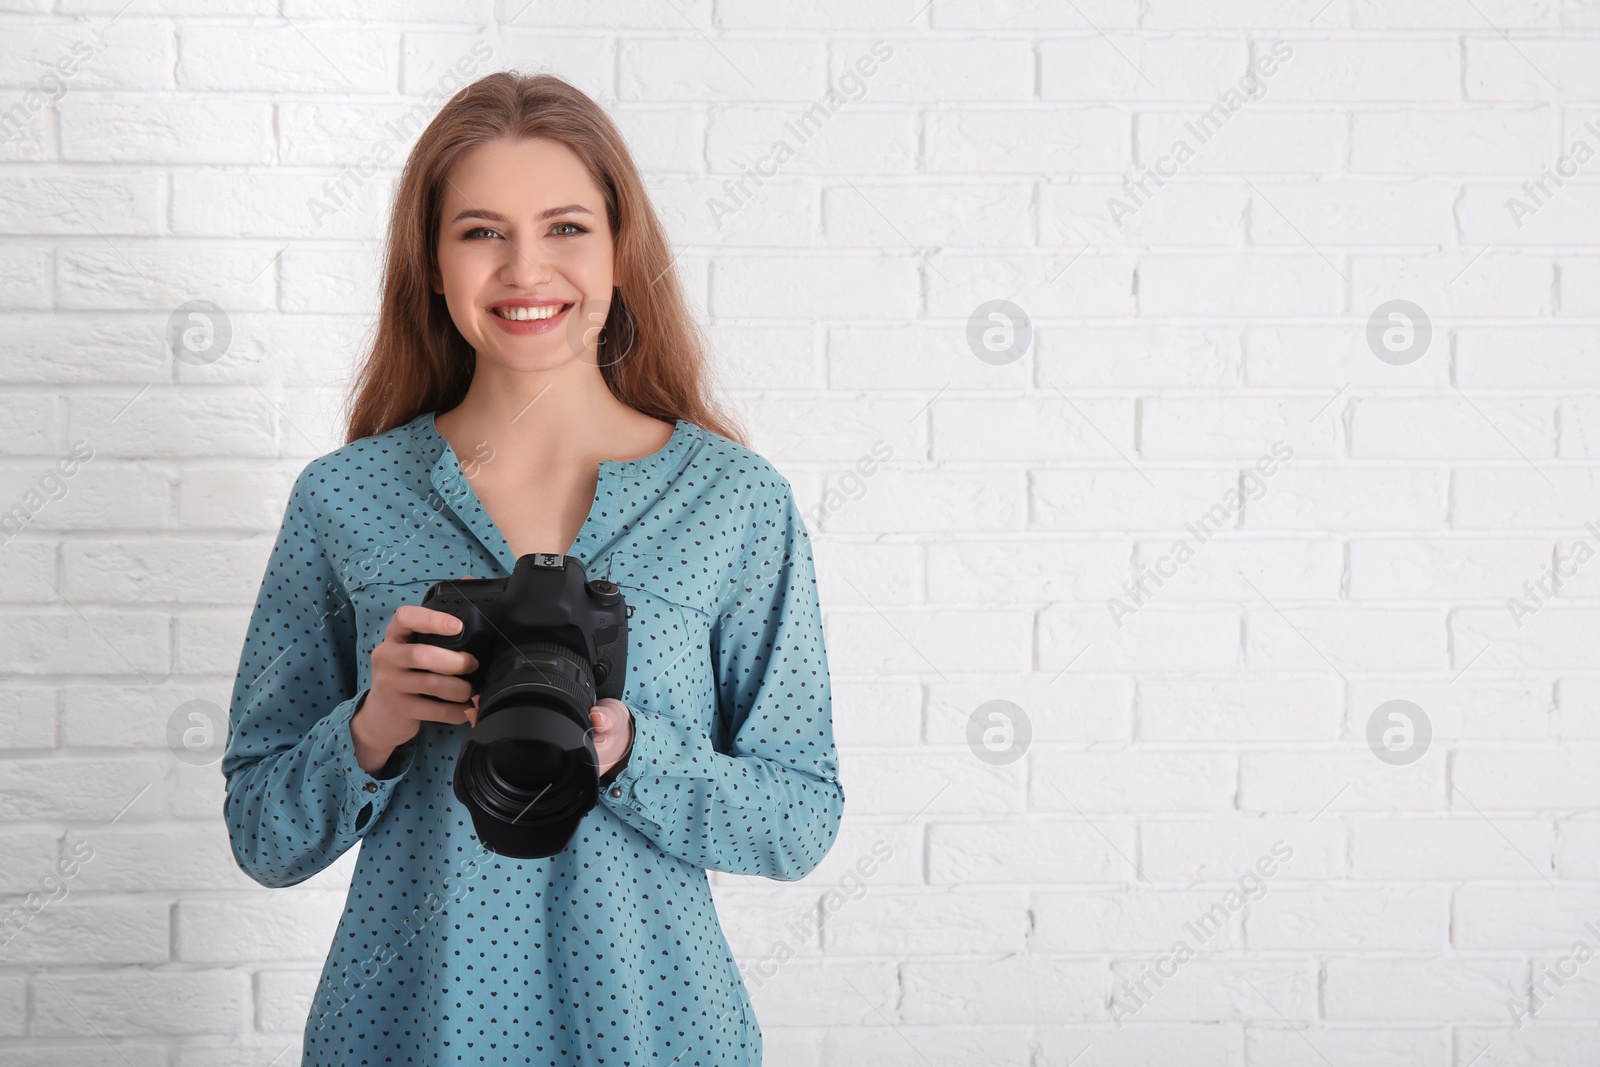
point(523, 228)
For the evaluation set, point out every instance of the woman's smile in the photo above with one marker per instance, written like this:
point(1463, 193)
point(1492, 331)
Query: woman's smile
point(519, 318)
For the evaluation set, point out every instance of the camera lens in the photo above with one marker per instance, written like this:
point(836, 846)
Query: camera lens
point(527, 796)
point(527, 765)
point(529, 759)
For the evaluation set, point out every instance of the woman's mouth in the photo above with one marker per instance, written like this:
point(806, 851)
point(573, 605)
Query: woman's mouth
point(525, 320)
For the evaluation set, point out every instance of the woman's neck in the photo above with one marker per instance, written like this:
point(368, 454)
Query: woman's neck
point(564, 419)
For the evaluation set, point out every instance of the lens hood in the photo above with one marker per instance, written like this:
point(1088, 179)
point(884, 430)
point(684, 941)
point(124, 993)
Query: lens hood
point(544, 825)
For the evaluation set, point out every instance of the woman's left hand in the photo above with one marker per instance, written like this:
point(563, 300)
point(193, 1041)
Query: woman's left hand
point(613, 731)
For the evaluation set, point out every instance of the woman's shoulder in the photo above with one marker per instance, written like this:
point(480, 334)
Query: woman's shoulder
point(363, 463)
point(734, 467)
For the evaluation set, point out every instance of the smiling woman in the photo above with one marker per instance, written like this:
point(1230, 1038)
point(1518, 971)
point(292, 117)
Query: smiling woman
point(522, 247)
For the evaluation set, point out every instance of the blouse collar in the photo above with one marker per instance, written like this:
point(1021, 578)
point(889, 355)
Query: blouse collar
point(452, 485)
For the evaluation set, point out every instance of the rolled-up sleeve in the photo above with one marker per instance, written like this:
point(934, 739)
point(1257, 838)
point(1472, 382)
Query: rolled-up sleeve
point(765, 799)
point(295, 797)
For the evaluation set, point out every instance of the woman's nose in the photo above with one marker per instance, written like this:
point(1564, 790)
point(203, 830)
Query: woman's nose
point(525, 267)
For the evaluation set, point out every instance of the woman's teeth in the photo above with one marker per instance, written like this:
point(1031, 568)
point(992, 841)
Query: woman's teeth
point(517, 314)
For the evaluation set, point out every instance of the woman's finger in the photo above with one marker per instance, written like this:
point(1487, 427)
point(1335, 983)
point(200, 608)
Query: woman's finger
point(431, 710)
point(411, 619)
point(447, 687)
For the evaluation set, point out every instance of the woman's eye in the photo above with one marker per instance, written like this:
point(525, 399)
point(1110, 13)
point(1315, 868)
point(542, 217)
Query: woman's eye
point(470, 234)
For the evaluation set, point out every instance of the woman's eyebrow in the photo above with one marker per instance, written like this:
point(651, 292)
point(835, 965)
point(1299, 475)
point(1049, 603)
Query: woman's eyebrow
point(495, 216)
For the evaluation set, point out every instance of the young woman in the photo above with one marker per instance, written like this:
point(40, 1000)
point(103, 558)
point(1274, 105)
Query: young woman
point(534, 386)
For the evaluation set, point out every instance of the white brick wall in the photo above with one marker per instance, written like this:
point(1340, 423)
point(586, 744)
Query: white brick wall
point(1020, 913)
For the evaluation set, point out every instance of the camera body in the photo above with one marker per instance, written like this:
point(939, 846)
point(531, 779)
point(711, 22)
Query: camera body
point(550, 644)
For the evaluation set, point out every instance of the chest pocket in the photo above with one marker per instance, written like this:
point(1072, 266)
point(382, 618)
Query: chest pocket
point(382, 577)
point(669, 640)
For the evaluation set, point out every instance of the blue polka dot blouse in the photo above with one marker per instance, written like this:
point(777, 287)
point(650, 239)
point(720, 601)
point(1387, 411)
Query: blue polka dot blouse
point(609, 952)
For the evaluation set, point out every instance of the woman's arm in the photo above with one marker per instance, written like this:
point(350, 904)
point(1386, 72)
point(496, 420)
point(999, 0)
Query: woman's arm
point(769, 801)
point(296, 797)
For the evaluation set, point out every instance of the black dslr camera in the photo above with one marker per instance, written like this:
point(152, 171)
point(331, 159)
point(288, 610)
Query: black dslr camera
point(550, 644)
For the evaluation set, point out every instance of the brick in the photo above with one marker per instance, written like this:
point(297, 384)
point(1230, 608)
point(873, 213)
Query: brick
point(1075, 357)
point(818, 141)
point(1023, 142)
point(177, 128)
point(1135, 920)
point(1072, 282)
point(1351, 498)
point(652, 68)
point(224, 57)
point(1545, 777)
point(966, 69)
point(1014, 989)
point(1370, 68)
point(1205, 990)
point(1134, 781)
point(1243, 708)
point(1438, 988)
point(1377, 1047)
point(1237, 428)
point(1345, 639)
point(1143, 67)
point(1477, 140)
point(1468, 285)
point(91, 641)
point(1088, 428)
point(141, 1002)
point(1144, 215)
point(824, 993)
point(1495, 71)
point(1154, 637)
point(1276, 284)
point(1327, 782)
point(1451, 848)
point(276, 927)
point(1373, 212)
point(1221, 848)
point(1061, 708)
point(935, 783)
point(749, 287)
point(1369, 919)
point(1251, 142)
point(1048, 851)
point(923, 923)
point(1460, 568)
point(1328, 357)
point(1534, 916)
point(69, 932)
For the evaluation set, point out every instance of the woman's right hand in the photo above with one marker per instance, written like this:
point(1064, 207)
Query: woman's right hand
point(412, 683)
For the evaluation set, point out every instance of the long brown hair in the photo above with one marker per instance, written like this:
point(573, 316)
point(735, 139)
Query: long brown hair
point(420, 362)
